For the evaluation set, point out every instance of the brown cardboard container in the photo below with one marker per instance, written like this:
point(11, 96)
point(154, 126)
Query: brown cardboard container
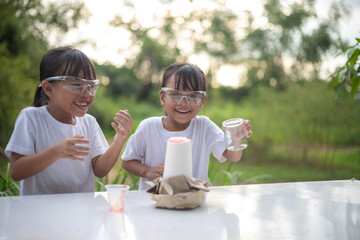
point(179, 192)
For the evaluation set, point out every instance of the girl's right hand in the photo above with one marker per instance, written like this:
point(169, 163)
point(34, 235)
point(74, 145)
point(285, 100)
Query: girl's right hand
point(73, 148)
point(155, 172)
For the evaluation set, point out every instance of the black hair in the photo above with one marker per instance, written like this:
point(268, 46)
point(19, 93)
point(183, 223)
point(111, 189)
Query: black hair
point(188, 76)
point(62, 61)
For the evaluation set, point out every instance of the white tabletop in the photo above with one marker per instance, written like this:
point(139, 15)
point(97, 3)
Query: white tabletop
point(304, 210)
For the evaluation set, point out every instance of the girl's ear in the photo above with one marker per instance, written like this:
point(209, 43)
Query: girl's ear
point(161, 99)
point(48, 88)
point(202, 105)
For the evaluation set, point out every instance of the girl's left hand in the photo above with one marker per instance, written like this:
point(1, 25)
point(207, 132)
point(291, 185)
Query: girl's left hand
point(124, 125)
point(245, 125)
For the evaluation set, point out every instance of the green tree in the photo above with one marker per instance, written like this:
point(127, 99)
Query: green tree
point(121, 81)
point(285, 40)
point(206, 31)
point(272, 54)
point(151, 58)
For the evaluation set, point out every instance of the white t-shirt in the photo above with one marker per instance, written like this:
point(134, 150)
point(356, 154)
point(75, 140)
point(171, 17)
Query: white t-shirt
point(36, 130)
point(148, 144)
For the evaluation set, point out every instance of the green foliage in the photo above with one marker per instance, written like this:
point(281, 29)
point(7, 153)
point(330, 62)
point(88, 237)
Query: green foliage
point(268, 50)
point(303, 116)
point(231, 177)
point(17, 89)
point(121, 81)
point(8, 187)
point(221, 33)
point(349, 74)
point(153, 55)
point(120, 177)
point(315, 45)
point(207, 31)
point(285, 166)
point(234, 94)
point(298, 15)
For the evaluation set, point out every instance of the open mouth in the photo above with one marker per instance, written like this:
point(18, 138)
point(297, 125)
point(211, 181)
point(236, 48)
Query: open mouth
point(82, 104)
point(182, 111)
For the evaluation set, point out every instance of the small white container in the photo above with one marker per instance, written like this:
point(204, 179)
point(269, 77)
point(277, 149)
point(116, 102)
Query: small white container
point(178, 159)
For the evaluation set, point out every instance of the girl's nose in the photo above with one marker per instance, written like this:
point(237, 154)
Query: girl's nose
point(86, 90)
point(186, 100)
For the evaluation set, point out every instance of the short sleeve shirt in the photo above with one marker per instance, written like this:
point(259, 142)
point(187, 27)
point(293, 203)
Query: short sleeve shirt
point(148, 144)
point(36, 130)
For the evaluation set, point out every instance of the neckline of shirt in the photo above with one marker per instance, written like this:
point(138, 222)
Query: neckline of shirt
point(56, 122)
point(188, 129)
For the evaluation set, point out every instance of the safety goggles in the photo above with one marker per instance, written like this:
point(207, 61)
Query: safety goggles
point(75, 84)
point(191, 97)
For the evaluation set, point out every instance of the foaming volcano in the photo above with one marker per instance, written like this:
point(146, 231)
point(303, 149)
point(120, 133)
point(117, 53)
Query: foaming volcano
point(178, 159)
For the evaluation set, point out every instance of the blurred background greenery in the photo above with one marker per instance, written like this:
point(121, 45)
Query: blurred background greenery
point(306, 125)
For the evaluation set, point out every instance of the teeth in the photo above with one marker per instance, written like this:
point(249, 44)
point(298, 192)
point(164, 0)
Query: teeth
point(81, 104)
point(182, 111)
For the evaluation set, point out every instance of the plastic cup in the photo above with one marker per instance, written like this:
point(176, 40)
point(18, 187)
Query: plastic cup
point(116, 196)
point(178, 157)
point(234, 135)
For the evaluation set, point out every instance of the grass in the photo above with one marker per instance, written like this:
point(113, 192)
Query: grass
point(117, 176)
point(8, 187)
point(288, 166)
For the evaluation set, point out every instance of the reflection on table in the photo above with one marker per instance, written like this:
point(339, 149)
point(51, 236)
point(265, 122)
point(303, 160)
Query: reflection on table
point(304, 210)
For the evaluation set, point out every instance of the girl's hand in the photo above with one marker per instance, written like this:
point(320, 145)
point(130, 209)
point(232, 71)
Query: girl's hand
point(71, 148)
point(245, 125)
point(155, 172)
point(124, 125)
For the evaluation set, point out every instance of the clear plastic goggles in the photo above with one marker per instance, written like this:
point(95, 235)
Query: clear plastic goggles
point(76, 85)
point(191, 97)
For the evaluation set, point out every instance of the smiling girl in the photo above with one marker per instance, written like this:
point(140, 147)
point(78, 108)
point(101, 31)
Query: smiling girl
point(56, 147)
point(182, 95)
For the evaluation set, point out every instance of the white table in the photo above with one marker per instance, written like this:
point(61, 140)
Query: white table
point(304, 210)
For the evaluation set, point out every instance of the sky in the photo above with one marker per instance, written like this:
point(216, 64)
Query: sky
point(108, 44)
